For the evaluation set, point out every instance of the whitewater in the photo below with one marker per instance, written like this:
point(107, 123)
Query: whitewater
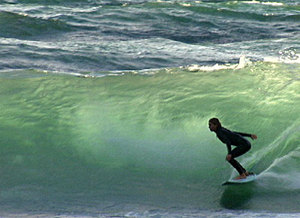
point(104, 107)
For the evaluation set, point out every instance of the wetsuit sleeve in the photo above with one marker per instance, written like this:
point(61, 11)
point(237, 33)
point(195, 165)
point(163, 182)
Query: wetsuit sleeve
point(243, 134)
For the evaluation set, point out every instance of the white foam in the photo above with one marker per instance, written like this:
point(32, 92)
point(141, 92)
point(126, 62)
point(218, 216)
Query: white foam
point(242, 63)
point(282, 59)
point(265, 3)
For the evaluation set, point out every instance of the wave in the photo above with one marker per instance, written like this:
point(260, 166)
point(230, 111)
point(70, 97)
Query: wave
point(283, 171)
point(143, 139)
point(96, 39)
point(105, 104)
point(196, 23)
point(277, 161)
point(242, 63)
point(23, 26)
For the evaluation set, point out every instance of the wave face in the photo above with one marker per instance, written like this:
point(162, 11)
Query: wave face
point(105, 142)
point(104, 107)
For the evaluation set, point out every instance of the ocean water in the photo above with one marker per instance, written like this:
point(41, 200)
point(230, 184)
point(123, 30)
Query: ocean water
point(105, 106)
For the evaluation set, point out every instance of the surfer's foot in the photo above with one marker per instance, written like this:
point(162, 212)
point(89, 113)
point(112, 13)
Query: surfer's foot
point(242, 176)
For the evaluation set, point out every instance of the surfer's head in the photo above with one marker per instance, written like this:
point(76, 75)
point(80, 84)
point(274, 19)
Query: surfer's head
point(214, 124)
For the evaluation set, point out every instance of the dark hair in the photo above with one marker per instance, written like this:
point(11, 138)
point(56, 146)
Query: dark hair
point(215, 121)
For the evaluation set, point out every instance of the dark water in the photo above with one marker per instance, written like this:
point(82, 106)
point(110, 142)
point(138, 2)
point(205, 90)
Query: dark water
point(97, 36)
point(104, 107)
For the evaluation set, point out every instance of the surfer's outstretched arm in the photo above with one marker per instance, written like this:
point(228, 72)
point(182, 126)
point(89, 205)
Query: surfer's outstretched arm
point(253, 136)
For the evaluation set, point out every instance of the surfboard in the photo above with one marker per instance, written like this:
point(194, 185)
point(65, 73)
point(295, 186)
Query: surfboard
point(249, 178)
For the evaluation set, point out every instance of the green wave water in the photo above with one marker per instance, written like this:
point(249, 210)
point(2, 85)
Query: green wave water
point(74, 145)
point(104, 107)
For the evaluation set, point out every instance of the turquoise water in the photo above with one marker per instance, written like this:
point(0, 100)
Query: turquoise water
point(105, 104)
point(87, 144)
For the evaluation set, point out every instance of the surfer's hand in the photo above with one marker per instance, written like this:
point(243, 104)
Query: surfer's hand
point(228, 157)
point(254, 136)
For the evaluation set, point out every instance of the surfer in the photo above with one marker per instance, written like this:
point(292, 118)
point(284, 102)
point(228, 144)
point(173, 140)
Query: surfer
point(232, 138)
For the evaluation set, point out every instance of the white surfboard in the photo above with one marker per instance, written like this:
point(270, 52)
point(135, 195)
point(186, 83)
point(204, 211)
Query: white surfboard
point(249, 178)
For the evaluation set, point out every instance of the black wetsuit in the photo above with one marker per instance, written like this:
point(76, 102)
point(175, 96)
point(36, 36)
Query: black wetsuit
point(234, 138)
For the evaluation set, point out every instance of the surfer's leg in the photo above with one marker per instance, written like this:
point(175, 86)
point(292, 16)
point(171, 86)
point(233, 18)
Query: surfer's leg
point(237, 166)
point(238, 151)
point(241, 149)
